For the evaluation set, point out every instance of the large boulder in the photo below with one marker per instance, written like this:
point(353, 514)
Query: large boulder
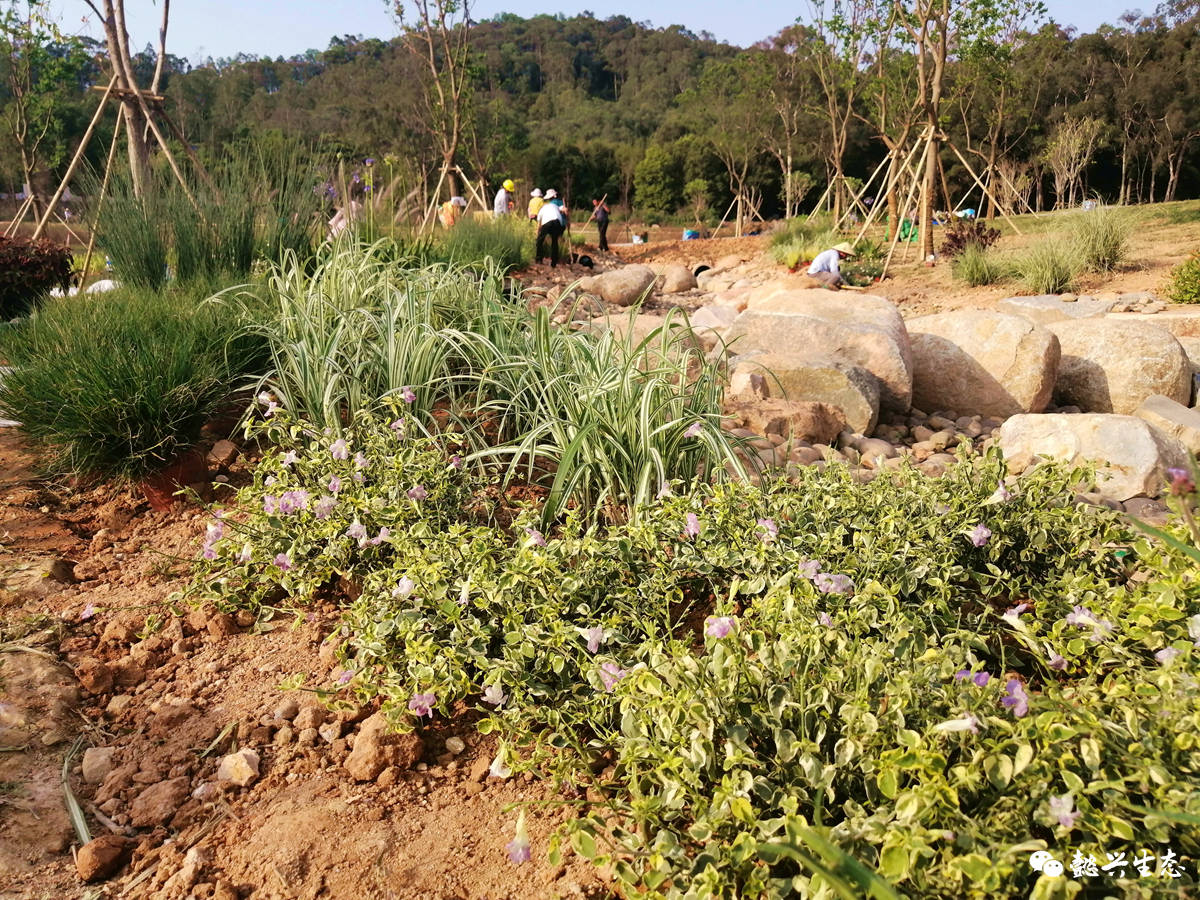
point(816, 423)
point(1111, 366)
point(859, 329)
point(982, 363)
point(620, 287)
point(1172, 419)
point(850, 388)
point(1046, 308)
point(1130, 456)
point(677, 279)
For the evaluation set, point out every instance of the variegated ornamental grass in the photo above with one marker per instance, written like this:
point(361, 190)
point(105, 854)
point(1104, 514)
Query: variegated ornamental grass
point(817, 689)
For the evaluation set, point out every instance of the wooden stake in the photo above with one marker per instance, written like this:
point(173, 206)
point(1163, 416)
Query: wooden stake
point(907, 203)
point(984, 188)
point(162, 142)
point(112, 152)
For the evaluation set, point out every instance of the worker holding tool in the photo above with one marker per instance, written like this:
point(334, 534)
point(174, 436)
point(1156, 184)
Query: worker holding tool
point(825, 268)
point(504, 203)
point(600, 213)
point(552, 221)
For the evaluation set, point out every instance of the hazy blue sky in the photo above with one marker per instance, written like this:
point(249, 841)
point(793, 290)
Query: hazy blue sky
point(203, 28)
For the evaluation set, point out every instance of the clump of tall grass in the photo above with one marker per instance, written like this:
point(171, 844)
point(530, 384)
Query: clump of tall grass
point(602, 421)
point(120, 383)
point(1101, 238)
point(134, 231)
point(507, 242)
point(976, 266)
point(1048, 267)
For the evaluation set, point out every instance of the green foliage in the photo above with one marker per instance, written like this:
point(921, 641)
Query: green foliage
point(802, 239)
point(120, 383)
point(657, 184)
point(817, 734)
point(964, 233)
point(976, 266)
point(505, 243)
point(1101, 238)
point(1048, 267)
point(134, 231)
point(28, 272)
point(1184, 283)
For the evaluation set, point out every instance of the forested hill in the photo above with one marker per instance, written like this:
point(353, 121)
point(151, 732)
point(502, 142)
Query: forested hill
point(666, 120)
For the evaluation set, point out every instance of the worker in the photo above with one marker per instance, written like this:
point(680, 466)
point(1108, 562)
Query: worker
point(535, 205)
point(600, 212)
point(552, 221)
point(504, 203)
point(450, 211)
point(825, 268)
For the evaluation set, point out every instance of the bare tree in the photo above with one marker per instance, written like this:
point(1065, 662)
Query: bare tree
point(1068, 154)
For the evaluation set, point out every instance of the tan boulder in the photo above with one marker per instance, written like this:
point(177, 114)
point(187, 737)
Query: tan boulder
point(1046, 308)
point(855, 329)
point(1172, 419)
point(982, 363)
point(1130, 456)
point(816, 423)
point(791, 376)
point(1112, 366)
point(677, 279)
point(620, 287)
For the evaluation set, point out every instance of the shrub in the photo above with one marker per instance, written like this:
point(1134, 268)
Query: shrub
point(963, 233)
point(824, 687)
point(1184, 283)
point(28, 271)
point(1048, 267)
point(1101, 238)
point(120, 383)
point(976, 267)
point(802, 240)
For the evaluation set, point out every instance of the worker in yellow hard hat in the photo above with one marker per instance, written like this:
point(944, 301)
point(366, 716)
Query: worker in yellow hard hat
point(504, 199)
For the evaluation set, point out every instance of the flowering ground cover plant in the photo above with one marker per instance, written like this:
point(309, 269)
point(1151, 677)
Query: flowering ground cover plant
point(905, 687)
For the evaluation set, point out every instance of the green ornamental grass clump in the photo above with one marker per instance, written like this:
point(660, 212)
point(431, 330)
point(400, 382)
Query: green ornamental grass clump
point(899, 688)
point(977, 266)
point(1101, 237)
point(1048, 267)
point(505, 243)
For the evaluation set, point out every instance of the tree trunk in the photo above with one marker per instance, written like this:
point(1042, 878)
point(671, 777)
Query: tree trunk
point(927, 197)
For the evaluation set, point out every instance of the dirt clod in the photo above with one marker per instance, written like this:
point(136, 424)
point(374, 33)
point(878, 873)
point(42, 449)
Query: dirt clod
point(101, 857)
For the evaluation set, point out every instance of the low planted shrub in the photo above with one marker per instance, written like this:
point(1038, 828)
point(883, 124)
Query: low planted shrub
point(904, 687)
point(1048, 267)
point(803, 239)
point(963, 233)
point(976, 267)
point(505, 243)
point(28, 272)
point(1101, 237)
point(1183, 286)
point(120, 383)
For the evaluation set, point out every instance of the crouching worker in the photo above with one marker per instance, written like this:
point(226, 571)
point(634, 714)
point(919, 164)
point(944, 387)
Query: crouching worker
point(825, 268)
point(450, 211)
point(551, 224)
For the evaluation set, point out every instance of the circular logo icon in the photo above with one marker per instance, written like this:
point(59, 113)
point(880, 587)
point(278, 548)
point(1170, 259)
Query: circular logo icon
point(1039, 860)
point(1052, 868)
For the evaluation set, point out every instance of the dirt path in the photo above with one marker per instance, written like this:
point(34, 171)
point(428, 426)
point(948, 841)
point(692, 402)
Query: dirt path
point(94, 649)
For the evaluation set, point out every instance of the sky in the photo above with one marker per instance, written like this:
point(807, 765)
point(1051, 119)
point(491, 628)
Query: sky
point(223, 28)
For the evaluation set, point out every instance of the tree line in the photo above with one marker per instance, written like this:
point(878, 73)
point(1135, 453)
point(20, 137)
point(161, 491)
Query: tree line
point(668, 122)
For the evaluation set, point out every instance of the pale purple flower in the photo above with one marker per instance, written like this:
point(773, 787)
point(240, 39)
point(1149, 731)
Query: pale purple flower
point(1080, 616)
point(269, 481)
point(335, 484)
point(536, 536)
point(809, 569)
point(1001, 495)
point(693, 525)
point(209, 552)
point(407, 395)
point(404, 587)
point(981, 678)
point(270, 505)
point(1014, 615)
point(213, 531)
point(693, 430)
point(246, 554)
point(1062, 808)
point(833, 584)
point(422, 704)
point(293, 501)
point(357, 531)
point(360, 460)
point(339, 449)
point(664, 491)
point(980, 535)
point(398, 426)
point(456, 461)
point(1058, 663)
point(595, 637)
point(1015, 698)
point(967, 722)
point(323, 507)
point(1166, 654)
point(1181, 481)
point(345, 677)
point(290, 457)
point(494, 694)
point(518, 847)
point(87, 612)
point(282, 561)
point(358, 478)
point(718, 626)
point(962, 674)
point(824, 619)
point(770, 530)
point(384, 534)
point(610, 674)
point(269, 402)
point(418, 492)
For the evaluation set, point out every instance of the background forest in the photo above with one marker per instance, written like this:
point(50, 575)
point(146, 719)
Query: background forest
point(671, 123)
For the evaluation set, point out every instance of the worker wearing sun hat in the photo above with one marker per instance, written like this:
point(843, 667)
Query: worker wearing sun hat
point(504, 199)
point(535, 204)
point(825, 267)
